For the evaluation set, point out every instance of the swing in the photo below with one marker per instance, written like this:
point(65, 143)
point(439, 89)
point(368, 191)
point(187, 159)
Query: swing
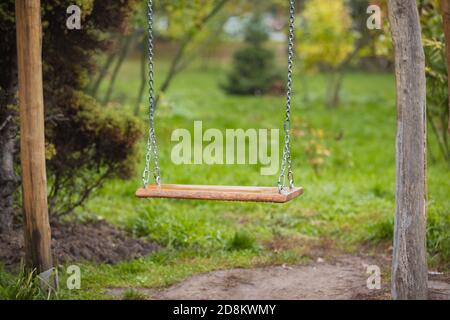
point(279, 194)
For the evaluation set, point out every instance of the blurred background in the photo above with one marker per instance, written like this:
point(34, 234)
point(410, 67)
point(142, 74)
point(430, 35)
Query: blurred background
point(225, 62)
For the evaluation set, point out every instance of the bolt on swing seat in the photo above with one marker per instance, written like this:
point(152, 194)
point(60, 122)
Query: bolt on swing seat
point(280, 194)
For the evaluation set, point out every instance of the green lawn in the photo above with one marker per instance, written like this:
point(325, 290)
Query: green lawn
point(349, 200)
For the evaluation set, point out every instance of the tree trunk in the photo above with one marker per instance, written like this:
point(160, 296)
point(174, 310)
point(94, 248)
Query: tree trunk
point(102, 74)
point(334, 89)
point(445, 6)
point(8, 134)
point(32, 141)
point(409, 264)
point(8, 180)
point(123, 54)
point(143, 82)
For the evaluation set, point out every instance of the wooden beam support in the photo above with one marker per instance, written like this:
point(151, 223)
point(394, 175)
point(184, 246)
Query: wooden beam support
point(32, 140)
point(409, 262)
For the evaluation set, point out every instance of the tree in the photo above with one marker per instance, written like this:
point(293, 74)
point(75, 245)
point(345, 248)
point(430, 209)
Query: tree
point(326, 41)
point(371, 44)
point(186, 24)
point(253, 66)
point(409, 263)
point(85, 144)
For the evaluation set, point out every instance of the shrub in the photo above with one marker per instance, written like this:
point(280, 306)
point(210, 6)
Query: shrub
point(253, 66)
point(437, 78)
point(86, 143)
point(100, 145)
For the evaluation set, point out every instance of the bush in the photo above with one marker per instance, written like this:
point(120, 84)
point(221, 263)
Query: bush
point(437, 78)
point(253, 66)
point(100, 145)
point(86, 142)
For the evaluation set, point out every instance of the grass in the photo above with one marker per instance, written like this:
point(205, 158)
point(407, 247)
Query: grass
point(24, 286)
point(242, 240)
point(349, 200)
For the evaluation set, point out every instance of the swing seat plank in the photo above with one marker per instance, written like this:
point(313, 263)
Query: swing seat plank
point(220, 193)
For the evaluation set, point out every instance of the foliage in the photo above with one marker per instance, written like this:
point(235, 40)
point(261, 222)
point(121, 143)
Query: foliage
point(326, 42)
point(24, 286)
point(436, 72)
point(188, 24)
point(325, 36)
point(253, 66)
point(86, 143)
point(181, 17)
point(375, 46)
point(314, 146)
point(100, 145)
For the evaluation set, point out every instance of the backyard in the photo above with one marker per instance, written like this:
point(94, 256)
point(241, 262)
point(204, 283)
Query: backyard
point(348, 205)
point(368, 137)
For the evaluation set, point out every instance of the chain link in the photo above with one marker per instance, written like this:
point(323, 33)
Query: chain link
point(286, 164)
point(152, 147)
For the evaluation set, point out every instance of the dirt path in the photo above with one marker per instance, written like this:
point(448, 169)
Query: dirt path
point(342, 278)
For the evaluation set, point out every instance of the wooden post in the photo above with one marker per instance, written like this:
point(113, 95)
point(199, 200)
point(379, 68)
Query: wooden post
point(32, 141)
point(409, 263)
point(445, 7)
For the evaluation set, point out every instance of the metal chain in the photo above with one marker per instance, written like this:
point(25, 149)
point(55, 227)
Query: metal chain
point(152, 147)
point(286, 164)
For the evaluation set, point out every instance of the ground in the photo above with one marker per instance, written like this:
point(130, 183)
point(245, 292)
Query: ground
point(97, 242)
point(342, 278)
point(343, 157)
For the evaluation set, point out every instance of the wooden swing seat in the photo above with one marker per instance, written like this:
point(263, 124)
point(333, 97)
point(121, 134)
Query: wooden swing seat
point(220, 193)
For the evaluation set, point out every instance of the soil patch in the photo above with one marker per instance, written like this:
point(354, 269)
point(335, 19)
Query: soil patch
point(98, 242)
